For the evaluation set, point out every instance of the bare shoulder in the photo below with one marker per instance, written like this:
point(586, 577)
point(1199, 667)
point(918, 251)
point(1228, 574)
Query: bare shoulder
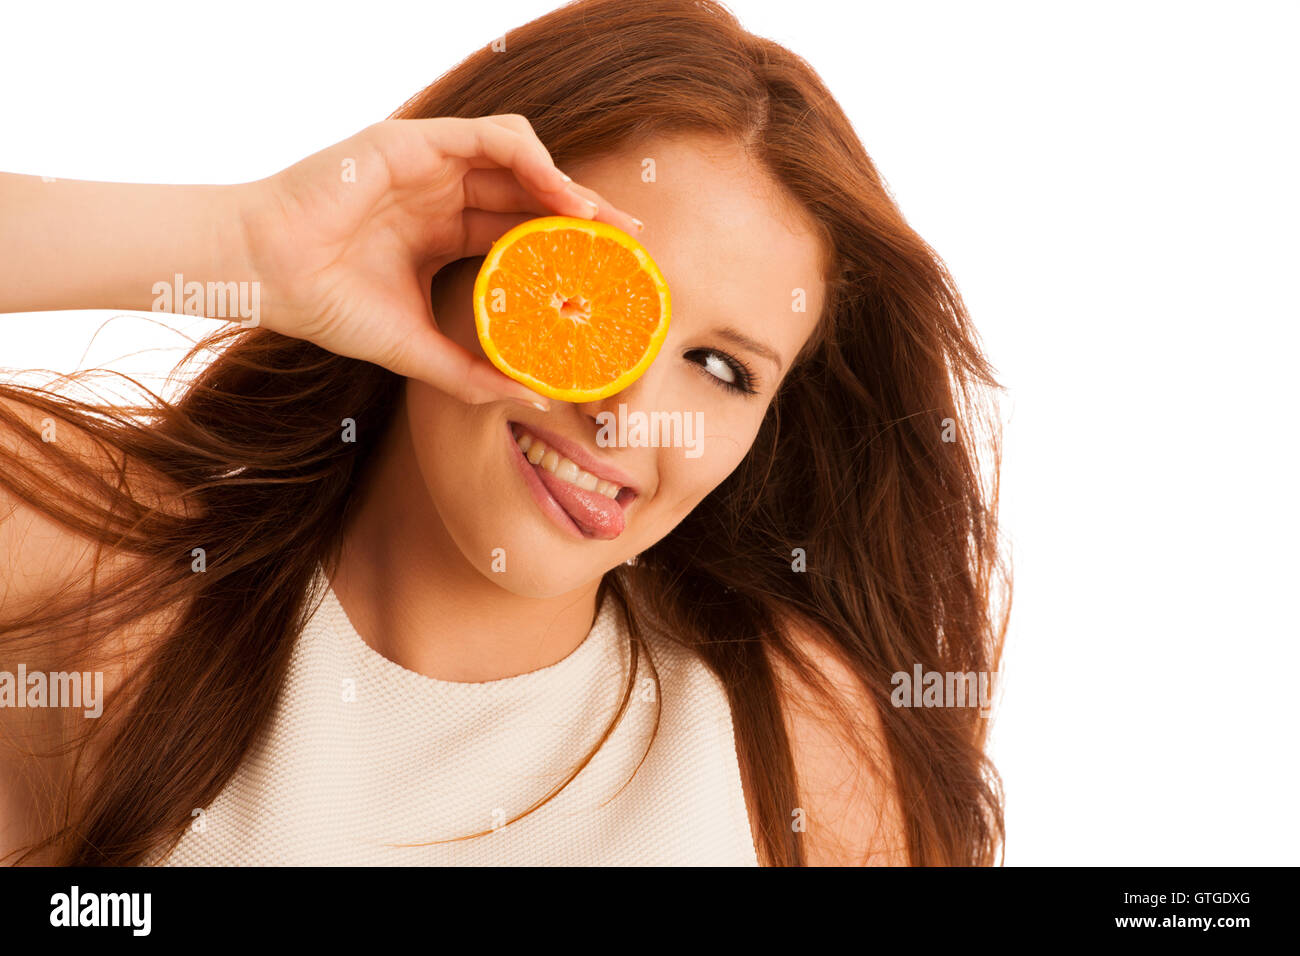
point(39, 555)
point(42, 558)
point(843, 773)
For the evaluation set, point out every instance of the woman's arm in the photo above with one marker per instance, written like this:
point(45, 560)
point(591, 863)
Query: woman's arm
point(72, 244)
point(338, 249)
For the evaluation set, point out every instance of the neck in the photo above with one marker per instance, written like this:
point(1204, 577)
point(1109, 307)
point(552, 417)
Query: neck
point(414, 597)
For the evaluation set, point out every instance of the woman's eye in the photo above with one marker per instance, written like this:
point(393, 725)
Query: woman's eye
point(725, 370)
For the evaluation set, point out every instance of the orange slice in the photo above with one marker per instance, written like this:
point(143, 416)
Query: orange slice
point(574, 309)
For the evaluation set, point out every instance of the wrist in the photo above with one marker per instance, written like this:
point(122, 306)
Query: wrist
point(252, 218)
point(230, 281)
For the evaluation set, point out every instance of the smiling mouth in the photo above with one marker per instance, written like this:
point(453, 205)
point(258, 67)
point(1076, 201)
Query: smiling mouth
point(581, 502)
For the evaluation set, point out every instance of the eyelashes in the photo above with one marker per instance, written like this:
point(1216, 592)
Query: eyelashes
point(742, 380)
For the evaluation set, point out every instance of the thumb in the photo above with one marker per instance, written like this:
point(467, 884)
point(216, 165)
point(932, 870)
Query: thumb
point(431, 357)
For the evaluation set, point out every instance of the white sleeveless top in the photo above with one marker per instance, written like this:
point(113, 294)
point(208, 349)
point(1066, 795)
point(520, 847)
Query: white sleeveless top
point(361, 754)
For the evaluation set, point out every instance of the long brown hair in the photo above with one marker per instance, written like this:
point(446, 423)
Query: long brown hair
point(869, 460)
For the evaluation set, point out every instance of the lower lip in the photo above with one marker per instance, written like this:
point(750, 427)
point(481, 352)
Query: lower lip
point(546, 501)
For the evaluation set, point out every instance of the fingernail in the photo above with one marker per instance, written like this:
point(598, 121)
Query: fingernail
point(594, 206)
point(541, 406)
point(565, 176)
point(639, 224)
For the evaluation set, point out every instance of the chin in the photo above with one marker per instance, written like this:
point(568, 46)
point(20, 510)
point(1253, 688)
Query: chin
point(526, 563)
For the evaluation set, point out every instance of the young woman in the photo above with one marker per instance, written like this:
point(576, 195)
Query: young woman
point(336, 620)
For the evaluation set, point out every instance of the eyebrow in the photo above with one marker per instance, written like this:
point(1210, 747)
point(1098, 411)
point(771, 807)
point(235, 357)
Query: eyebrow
point(753, 345)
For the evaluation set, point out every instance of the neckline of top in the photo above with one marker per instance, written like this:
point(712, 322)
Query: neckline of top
point(604, 630)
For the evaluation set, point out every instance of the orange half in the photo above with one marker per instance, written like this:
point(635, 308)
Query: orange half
point(574, 309)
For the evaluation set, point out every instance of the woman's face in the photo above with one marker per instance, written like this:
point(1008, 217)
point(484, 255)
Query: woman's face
point(737, 264)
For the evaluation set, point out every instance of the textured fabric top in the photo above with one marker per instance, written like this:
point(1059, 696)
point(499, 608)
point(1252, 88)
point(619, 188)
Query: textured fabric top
point(361, 753)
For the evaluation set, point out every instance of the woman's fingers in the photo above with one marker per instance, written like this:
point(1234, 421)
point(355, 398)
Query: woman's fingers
point(497, 190)
point(507, 143)
point(479, 142)
point(482, 228)
point(521, 125)
point(608, 212)
point(429, 356)
point(605, 210)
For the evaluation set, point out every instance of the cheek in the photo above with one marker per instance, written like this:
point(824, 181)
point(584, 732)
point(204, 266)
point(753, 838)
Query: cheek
point(685, 481)
point(433, 423)
point(458, 325)
point(434, 433)
point(453, 306)
point(454, 452)
point(454, 457)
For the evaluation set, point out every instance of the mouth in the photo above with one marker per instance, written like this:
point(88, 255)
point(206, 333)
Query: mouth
point(583, 497)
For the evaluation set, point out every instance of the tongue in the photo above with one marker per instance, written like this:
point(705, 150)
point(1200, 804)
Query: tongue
point(599, 516)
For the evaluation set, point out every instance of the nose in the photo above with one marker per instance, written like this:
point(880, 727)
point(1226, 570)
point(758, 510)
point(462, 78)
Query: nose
point(603, 413)
point(612, 414)
point(640, 395)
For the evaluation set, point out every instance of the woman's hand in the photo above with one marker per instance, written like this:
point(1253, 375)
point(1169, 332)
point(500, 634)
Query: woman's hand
point(346, 242)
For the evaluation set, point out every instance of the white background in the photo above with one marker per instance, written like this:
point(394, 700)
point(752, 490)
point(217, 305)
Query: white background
point(1113, 186)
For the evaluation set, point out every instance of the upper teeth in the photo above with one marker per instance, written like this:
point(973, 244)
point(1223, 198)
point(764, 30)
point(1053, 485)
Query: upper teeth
point(536, 451)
